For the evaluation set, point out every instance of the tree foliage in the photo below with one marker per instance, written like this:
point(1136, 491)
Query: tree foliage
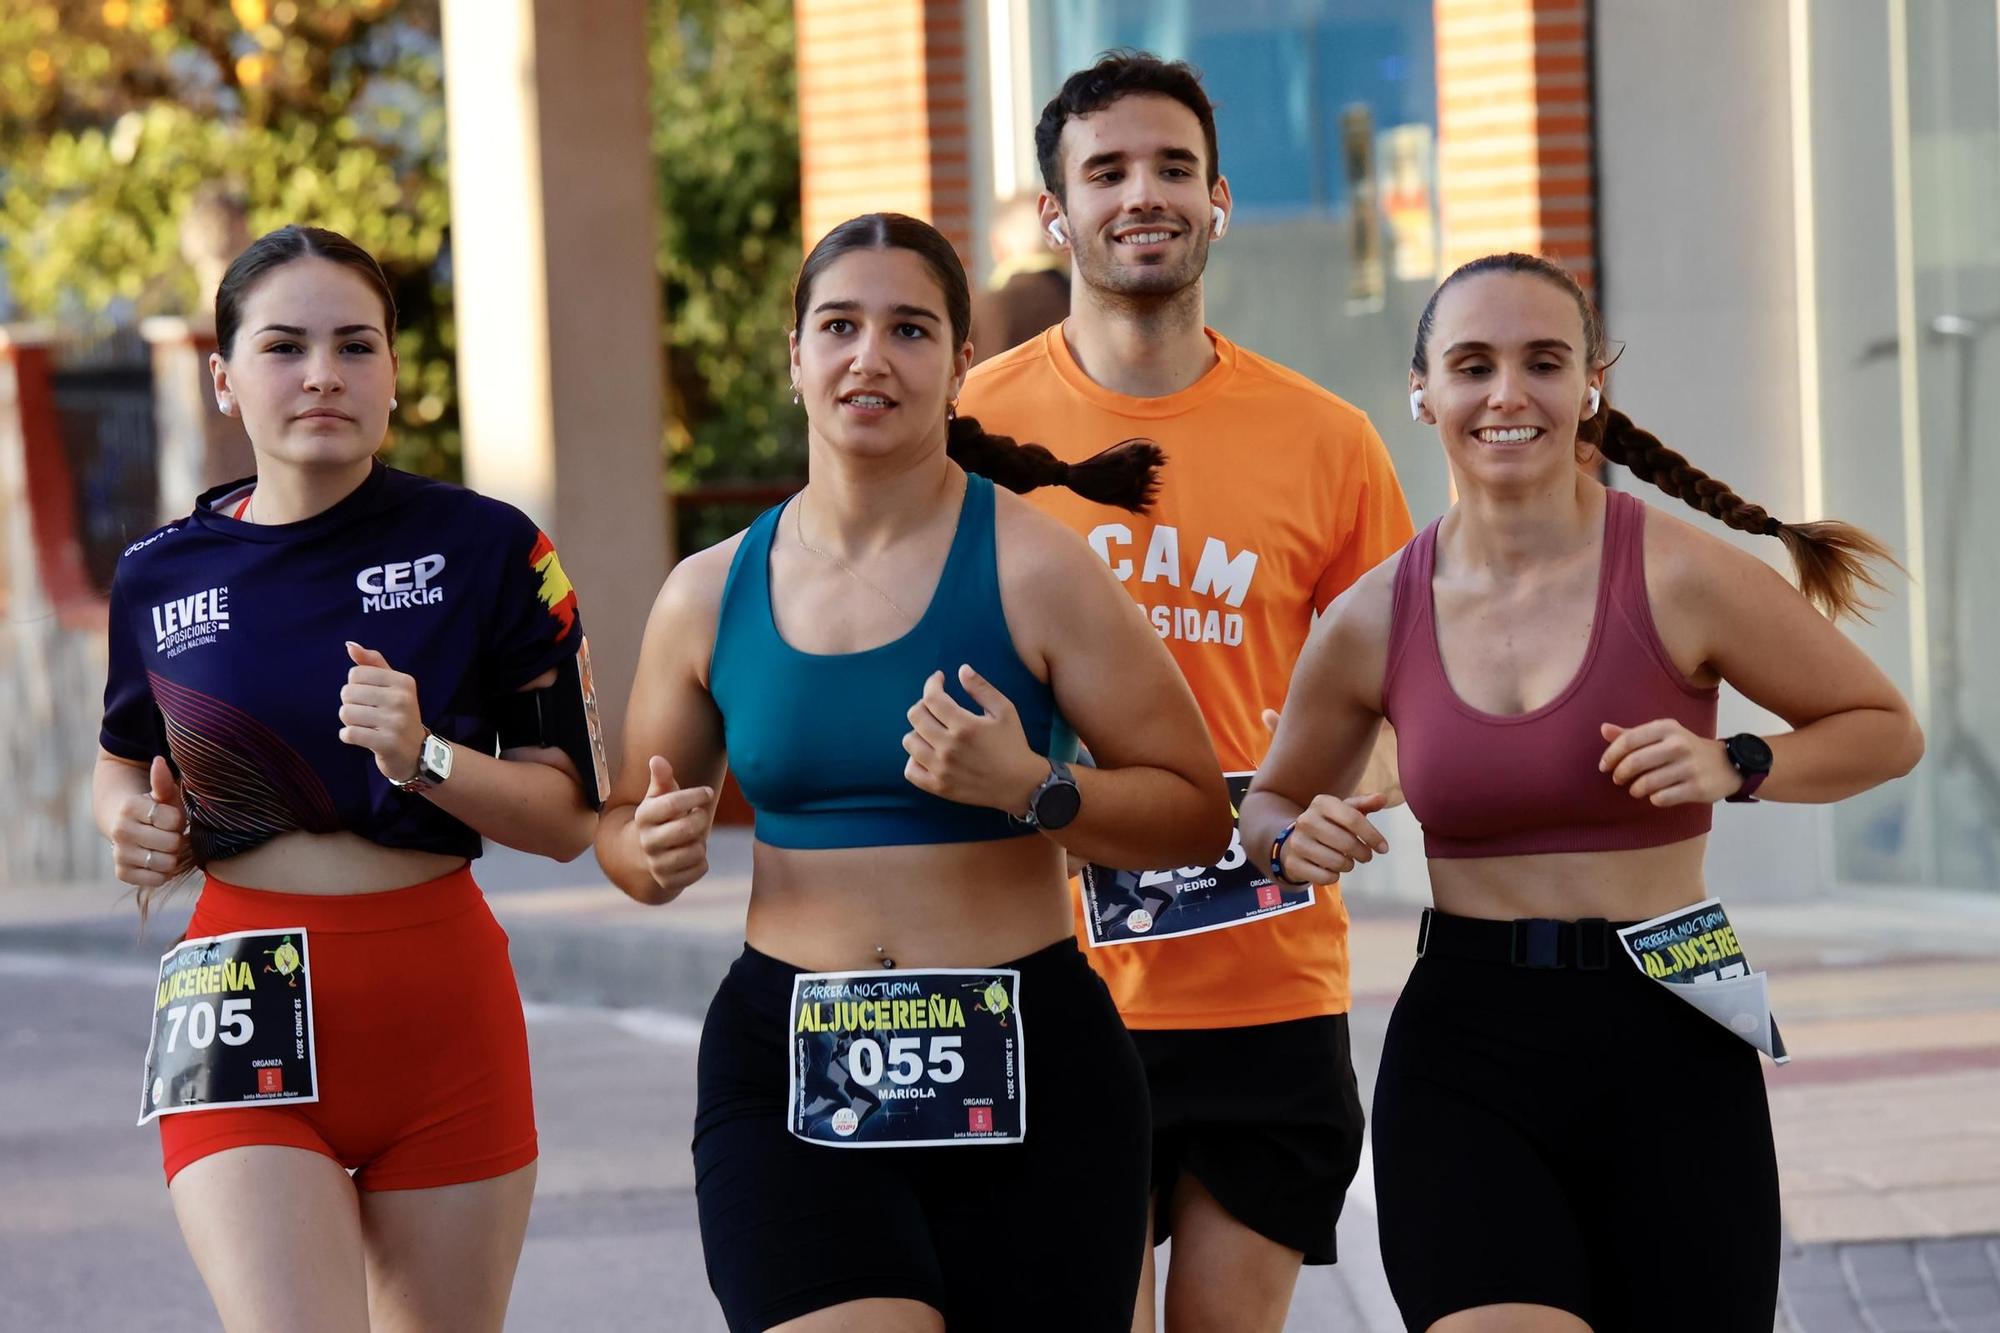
point(726, 142)
point(116, 116)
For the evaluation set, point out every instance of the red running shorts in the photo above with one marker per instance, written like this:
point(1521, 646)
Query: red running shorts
point(422, 1049)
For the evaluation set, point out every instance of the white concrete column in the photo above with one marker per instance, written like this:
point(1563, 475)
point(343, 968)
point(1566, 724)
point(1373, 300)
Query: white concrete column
point(560, 361)
point(199, 447)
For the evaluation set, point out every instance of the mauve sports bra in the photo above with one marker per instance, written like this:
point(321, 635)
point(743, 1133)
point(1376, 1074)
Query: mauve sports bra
point(1487, 784)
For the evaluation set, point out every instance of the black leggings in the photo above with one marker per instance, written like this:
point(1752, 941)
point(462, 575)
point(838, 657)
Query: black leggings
point(1583, 1140)
point(1046, 1233)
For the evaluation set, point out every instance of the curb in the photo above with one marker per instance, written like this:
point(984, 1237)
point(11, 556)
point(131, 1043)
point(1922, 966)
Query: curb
point(555, 961)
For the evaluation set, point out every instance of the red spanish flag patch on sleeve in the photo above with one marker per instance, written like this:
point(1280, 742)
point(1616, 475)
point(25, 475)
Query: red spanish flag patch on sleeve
point(555, 590)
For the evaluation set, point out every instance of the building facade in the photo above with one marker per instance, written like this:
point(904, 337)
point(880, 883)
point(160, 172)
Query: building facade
point(1786, 207)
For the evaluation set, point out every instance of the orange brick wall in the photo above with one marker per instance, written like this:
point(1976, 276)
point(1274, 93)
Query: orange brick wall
point(883, 113)
point(1514, 131)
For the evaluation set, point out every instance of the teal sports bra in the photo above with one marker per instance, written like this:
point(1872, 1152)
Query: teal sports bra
point(816, 739)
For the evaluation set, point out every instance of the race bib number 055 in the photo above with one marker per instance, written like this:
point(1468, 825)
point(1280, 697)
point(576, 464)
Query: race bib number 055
point(1127, 906)
point(232, 1025)
point(907, 1059)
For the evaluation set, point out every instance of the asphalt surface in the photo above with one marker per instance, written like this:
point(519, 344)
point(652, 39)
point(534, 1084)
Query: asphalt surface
point(87, 1236)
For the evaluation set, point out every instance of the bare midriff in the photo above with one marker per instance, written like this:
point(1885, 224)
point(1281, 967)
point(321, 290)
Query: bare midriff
point(968, 904)
point(331, 863)
point(1619, 886)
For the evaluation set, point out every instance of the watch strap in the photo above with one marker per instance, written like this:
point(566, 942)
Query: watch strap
point(1278, 855)
point(1747, 793)
point(422, 780)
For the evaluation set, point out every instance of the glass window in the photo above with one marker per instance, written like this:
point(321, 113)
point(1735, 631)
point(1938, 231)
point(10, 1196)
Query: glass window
point(1906, 184)
point(1326, 121)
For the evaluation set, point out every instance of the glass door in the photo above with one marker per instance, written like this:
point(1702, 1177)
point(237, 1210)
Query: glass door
point(1904, 323)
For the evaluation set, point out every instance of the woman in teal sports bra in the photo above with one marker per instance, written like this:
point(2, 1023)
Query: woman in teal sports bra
point(893, 661)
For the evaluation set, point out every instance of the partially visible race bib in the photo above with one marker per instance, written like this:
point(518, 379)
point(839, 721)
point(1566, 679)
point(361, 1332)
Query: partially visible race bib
point(232, 1025)
point(1128, 906)
point(907, 1058)
point(1695, 954)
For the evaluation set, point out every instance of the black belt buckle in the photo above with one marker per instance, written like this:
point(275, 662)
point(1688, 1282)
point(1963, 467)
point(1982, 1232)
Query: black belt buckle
point(1424, 931)
point(1593, 944)
point(1535, 943)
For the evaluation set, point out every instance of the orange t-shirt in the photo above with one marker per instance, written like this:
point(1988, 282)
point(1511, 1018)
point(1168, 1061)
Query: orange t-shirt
point(1275, 497)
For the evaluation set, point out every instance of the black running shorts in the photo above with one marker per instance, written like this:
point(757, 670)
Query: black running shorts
point(1268, 1118)
point(1576, 1139)
point(1048, 1233)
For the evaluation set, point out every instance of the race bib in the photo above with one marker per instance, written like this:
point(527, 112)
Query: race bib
point(907, 1059)
point(232, 1025)
point(1127, 906)
point(1695, 954)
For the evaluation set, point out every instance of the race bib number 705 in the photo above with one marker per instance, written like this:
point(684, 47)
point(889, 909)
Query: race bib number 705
point(232, 1025)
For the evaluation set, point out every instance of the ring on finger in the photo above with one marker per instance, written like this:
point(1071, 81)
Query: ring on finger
point(149, 858)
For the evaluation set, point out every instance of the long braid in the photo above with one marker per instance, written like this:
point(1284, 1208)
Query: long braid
point(1640, 451)
point(1832, 559)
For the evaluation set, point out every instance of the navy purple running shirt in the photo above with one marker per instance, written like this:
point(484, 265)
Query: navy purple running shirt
point(228, 652)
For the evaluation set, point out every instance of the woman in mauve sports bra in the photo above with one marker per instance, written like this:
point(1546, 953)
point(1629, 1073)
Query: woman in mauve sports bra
point(891, 663)
point(1549, 654)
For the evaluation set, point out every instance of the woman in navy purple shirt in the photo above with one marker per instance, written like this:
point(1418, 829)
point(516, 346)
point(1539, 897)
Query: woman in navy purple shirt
point(326, 685)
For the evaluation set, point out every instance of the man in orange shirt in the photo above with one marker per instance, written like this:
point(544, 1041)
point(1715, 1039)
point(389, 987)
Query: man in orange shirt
point(1276, 496)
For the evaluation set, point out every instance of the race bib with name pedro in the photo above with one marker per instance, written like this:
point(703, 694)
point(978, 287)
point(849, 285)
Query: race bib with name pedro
point(1128, 906)
point(232, 1025)
point(907, 1058)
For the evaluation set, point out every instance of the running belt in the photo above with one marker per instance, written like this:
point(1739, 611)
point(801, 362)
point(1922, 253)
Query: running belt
point(1486, 784)
point(816, 739)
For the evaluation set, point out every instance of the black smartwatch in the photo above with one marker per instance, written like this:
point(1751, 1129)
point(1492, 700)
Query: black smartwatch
point(1752, 758)
point(1056, 802)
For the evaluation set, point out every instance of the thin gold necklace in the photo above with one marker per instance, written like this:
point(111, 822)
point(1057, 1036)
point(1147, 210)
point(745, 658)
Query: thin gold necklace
point(799, 530)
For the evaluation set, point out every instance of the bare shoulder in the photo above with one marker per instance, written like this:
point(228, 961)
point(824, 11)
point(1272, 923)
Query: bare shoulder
point(689, 606)
point(1362, 614)
point(1054, 590)
point(1036, 552)
point(1348, 651)
point(1693, 569)
point(694, 585)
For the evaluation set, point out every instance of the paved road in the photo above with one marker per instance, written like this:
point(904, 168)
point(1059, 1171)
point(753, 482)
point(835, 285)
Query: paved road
point(87, 1238)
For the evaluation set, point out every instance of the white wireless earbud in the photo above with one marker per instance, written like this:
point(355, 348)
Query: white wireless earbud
point(1416, 404)
point(1218, 222)
point(1057, 232)
point(1596, 397)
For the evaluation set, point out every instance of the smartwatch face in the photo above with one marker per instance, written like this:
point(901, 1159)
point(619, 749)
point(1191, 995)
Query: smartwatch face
point(1057, 804)
point(1750, 753)
point(436, 761)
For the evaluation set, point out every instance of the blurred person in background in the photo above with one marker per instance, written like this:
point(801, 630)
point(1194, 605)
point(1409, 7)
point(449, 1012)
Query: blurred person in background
point(1028, 289)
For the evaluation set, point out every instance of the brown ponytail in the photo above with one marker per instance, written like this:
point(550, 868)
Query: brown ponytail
point(1831, 558)
point(1127, 474)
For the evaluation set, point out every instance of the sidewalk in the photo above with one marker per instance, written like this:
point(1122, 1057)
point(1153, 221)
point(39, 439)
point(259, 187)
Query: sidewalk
point(1887, 1119)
